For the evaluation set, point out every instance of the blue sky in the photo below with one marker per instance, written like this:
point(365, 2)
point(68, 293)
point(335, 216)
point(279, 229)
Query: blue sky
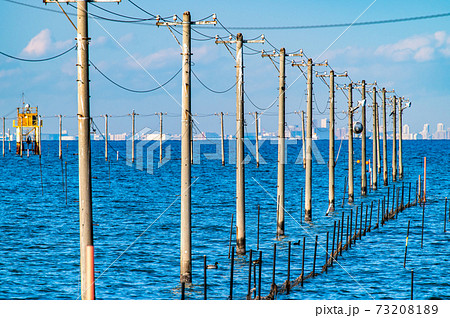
point(411, 57)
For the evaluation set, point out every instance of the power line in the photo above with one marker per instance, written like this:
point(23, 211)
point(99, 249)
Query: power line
point(337, 25)
point(318, 26)
point(214, 91)
point(38, 60)
point(133, 90)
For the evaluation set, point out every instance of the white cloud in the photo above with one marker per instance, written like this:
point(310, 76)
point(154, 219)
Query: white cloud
point(424, 54)
point(157, 60)
point(440, 37)
point(39, 44)
point(43, 43)
point(420, 48)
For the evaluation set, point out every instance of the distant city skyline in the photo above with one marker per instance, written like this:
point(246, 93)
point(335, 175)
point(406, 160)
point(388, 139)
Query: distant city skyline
point(411, 57)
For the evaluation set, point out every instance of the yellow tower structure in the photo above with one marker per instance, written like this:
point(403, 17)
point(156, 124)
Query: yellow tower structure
point(28, 130)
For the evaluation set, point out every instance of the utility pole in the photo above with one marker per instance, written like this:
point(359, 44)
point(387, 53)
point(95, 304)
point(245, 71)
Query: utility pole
point(363, 141)
point(374, 140)
point(351, 110)
point(60, 137)
point(39, 135)
point(84, 142)
point(281, 134)
point(385, 171)
point(400, 138)
point(9, 140)
point(400, 151)
point(84, 150)
point(257, 139)
point(222, 139)
point(378, 140)
point(394, 138)
point(240, 178)
point(308, 172)
point(106, 137)
point(3, 139)
point(160, 136)
point(303, 140)
point(133, 132)
point(186, 154)
point(331, 156)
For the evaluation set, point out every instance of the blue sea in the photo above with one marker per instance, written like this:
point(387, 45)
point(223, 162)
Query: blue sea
point(136, 213)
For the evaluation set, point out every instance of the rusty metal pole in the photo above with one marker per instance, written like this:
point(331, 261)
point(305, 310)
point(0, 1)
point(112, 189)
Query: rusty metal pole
point(394, 139)
point(106, 137)
point(350, 144)
point(308, 172)
point(84, 148)
point(185, 238)
point(363, 141)
point(385, 171)
point(281, 144)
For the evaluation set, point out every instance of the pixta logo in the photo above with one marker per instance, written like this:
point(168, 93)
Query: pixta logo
point(150, 152)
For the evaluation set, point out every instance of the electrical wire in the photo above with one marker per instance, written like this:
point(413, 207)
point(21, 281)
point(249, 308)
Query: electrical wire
point(115, 13)
point(260, 108)
point(38, 60)
point(338, 25)
point(133, 90)
point(212, 90)
point(151, 14)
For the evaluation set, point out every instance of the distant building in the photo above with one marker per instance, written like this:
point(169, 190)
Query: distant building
point(405, 133)
point(440, 133)
point(425, 132)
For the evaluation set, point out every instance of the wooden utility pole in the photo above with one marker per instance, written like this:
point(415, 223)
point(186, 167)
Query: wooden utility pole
point(331, 156)
point(240, 173)
point(374, 140)
point(394, 138)
point(60, 137)
point(222, 139)
point(106, 137)
point(308, 172)
point(281, 135)
point(186, 154)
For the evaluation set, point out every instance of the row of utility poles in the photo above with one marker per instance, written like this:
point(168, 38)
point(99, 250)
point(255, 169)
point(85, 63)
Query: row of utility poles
point(85, 188)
